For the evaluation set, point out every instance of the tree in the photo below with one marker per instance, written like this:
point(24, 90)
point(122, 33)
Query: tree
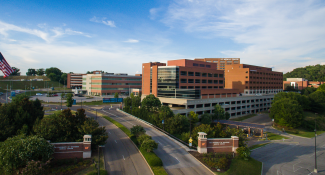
point(219, 113)
point(69, 99)
point(143, 137)
point(321, 88)
point(136, 101)
point(206, 118)
point(132, 95)
point(91, 126)
point(116, 95)
point(62, 95)
point(243, 152)
point(311, 73)
point(210, 131)
point(40, 72)
point(16, 71)
point(16, 151)
point(64, 78)
point(287, 112)
point(302, 100)
point(137, 130)
point(149, 145)
point(19, 116)
point(227, 116)
point(178, 124)
point(35, 168)
point(164, 113)
point(53, 73)
point(193, 118)
point(31, 72)
point(317, 99)
point(151, 103)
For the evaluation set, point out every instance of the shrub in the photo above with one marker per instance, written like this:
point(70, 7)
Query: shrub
point(137, 130)
point(149, 145)
point(243, 152)
point(152, 159)
point(223, 163)
point(142, 138)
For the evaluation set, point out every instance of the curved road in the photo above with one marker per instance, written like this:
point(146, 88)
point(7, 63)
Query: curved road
point(121, 155)
point(176, 160)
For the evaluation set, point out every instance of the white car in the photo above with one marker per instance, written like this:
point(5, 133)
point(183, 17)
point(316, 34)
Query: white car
point(39, 94)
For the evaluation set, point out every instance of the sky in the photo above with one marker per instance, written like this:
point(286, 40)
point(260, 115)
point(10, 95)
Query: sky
point(117, 36)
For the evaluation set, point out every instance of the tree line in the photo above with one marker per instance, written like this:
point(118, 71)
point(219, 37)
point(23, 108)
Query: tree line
point(311, 73)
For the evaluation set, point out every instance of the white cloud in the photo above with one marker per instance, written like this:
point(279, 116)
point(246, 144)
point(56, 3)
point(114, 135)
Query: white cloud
point(131, 41)
point(43, 34)
point(271, 31)
point(322, 63)
point(103, 20)
point(154, 13)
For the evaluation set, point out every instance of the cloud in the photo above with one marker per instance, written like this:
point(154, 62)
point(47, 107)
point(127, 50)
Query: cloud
point(154, 13)
point(45, 34)
point(322, 63)
point(269, 31)
point(131, 41)
point(103, 20)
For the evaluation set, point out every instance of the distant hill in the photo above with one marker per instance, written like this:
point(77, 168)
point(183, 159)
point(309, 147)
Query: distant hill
point(311, 73)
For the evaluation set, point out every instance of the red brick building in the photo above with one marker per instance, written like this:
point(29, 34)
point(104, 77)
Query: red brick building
point(301, 83)
point(221, 62)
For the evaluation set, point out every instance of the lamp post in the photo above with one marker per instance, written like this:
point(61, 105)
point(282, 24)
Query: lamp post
point(315, 170)
point(98, 157)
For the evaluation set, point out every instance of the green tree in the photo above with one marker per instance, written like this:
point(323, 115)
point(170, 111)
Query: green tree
point(137, 130)
point(64, 78)
point(16, 71)
point(311, 73)
point(321, 88)
point(40, 72)
point(302, 100)
point(91, 126)
point(136, 101)
point(227, 116)
point(219, 113)
point(116, 95)
point(210, 131)
point(132, 95)
point(53, 73)
point(206, 118)
point(35, 168)
point(62, 95)
point(243, 152)
point(151, 103)
point(193, 118)
point(143, 137)
point(317, 101)
point(287, 112)
point(149, 145)
point(69, 100)
point(30, 72)
point(179, 124)
point(16, 151)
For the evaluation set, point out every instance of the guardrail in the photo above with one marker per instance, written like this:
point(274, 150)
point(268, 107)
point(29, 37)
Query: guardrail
point(159, 129)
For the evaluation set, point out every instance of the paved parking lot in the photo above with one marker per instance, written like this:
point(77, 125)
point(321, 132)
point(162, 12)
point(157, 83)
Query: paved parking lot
point(292, 157)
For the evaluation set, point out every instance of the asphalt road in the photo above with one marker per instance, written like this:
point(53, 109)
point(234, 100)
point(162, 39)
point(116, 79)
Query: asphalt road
point(293, 157)
point(176, 160)
point(121, 155)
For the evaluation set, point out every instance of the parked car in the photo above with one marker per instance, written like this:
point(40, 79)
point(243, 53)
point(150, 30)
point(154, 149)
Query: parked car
point(39, 94)
point(55, 95)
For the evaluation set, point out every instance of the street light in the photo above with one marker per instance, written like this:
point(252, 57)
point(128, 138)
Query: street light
point(98, 156)
point(315, 170)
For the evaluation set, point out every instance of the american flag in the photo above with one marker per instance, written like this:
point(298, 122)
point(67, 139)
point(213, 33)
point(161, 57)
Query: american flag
point(5, 67)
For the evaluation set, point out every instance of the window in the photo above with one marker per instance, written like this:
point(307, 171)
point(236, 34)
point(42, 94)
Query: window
point(209, 87)
point(220, 75)
point(208, 66)
point(191, 87)
point(183, 73)
point(197, 81)
point(215, 81)
point(190, 73)
point(220, 81)
point(215, 61)
point(204, 74)
point(246, 82)
point(220, 87)
point(209, 74)
point(197, 87)
point(210, 81)
point(183, 87)
point(222, 61)
point(194, 64)
point(197, 74)
point(215, 87)
point(202, 65)
point(183, 80)
point(204, 87)
point(215, 75)
point(229, 61)
point(204, 81)
point(190, 81)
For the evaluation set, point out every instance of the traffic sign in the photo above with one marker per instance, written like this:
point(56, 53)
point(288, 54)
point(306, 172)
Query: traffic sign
point(191, 140)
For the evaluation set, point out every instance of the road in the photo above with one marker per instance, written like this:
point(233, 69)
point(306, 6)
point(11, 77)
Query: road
point(121, 155)
point(176, 160)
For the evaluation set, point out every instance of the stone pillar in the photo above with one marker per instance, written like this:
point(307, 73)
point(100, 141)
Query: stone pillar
point(235, 140)
point(202, 143)
point(87, 146)
point(261, 132)
point(249, 131)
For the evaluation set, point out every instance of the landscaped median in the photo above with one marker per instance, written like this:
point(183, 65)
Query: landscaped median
point(153, 160)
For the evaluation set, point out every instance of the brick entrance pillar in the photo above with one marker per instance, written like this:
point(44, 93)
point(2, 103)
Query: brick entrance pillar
point(202, 143)
point(87, 146)
point(235, 140)
point(249, 131)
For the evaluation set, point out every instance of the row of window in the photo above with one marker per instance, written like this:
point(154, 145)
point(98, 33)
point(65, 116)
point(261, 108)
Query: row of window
point(201, 65)
point(258, 82)
point(263, 73)
point(280, 79)
point(96, 88)
point(235, 62)
point(203, 81)
point(199, 74)
point(201, 87)
point(138, 84)
point(262, 87)
point(125, 79)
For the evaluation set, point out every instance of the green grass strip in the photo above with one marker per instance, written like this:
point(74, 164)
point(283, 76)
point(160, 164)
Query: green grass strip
point(243, 117)
point(243, 167)
point(257, 146)
point(151, 157)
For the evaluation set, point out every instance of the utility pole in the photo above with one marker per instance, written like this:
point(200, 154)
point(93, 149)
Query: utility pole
point(315, 170)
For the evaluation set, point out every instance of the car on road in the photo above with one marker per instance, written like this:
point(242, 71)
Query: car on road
point(55, 95)
point(39, 94)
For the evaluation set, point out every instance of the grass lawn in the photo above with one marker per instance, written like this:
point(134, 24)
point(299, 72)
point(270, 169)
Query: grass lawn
point(243, 117)
point(99, 102)
point(22, 84)
point(244, 167)
point(272, 136)
point(302, 133)
point(257, 146)
point(150, 157)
